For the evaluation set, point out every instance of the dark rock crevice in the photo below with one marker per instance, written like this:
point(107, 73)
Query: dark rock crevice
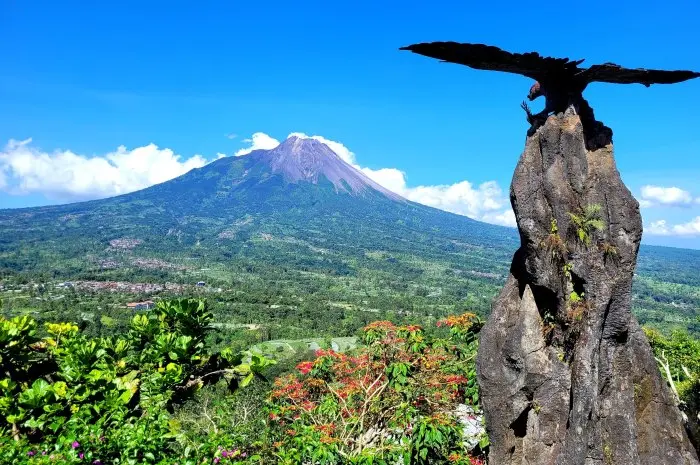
point(561, 334)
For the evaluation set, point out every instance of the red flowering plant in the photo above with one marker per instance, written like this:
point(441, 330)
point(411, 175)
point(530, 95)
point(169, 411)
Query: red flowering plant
point(391, 400)
point(463, 334)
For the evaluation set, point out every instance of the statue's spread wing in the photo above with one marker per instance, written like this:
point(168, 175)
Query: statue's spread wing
point(610, 72)
point(488, 57)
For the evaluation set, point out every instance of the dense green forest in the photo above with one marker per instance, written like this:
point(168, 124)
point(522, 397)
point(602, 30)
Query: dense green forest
point(286, 290)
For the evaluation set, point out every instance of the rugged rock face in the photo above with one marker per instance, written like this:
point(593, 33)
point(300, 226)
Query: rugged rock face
point(567, 376)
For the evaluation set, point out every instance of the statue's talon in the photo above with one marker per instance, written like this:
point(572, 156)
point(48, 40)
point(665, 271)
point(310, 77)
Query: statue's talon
point(530, 118)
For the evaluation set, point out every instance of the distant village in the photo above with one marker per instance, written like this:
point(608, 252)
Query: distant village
point(116, 286)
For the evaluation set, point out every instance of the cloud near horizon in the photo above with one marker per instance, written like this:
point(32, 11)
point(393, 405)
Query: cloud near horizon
point(662, 228)
point(64, 175)
point(669, 197)
point(258, 141)
point(653, 196)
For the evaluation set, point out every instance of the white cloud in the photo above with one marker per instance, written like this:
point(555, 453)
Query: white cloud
point(231, 135)
point(25, 169)
point(485, 202)
point(390, 178)
point(657, 228)
point(505, 218)
point(460, 197)
point(258, 141)
point(662, 228)
point(691, 228)
point(340, 150)
point(665, 196)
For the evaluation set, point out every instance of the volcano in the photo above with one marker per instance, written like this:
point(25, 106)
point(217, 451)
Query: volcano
point(305, 159)
point(299, 192)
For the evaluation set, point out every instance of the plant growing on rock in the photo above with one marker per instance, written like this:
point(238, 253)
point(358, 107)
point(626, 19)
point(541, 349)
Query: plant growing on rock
point(548, 324)
point(554, 244)
point(566, 269)
point(576, 306)
point(610, 252)
point(587, 222)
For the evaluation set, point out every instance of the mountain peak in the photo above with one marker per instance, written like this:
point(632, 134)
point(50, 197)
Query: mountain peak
point(308, 159)
point(297, 141)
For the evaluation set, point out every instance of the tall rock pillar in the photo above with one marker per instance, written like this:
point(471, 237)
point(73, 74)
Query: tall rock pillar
point(566, 373)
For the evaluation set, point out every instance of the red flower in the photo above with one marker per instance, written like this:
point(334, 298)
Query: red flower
point(308, 405)
point(305, 367)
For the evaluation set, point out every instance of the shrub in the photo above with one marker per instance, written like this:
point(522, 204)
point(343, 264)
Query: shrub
point(587, 221)
point(159, 395)
point(554, 244)
point(679, 360)
point(68, 398)
point(391, 400)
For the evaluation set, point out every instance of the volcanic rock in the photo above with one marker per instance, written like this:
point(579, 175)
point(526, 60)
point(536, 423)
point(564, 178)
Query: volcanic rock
point(566, 373)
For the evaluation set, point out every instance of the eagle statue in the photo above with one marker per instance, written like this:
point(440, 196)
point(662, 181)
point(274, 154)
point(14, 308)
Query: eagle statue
point(561, 81)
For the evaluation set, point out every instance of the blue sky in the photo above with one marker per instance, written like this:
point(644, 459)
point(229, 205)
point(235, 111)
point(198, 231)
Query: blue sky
point(82, 80)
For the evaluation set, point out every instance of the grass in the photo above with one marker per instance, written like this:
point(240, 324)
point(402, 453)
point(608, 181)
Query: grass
point(291, 347)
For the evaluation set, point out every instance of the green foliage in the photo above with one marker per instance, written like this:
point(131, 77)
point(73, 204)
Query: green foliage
point(682, 353)
point(567, 270)
point(679, 360)
point(587, 221)
point(575, 298)
point(577, 305)
point(390, 401)
point(157, 394)
point(105, 399)
point(215, 416)
point(554, 243)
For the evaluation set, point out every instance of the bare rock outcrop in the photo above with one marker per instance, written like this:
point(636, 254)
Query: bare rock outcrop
point(567, 375)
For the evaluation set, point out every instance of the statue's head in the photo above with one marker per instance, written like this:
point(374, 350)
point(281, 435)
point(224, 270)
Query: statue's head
point(535, 91)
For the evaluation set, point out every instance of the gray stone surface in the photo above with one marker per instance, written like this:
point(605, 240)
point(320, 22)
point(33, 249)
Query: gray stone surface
point(565, 383)
point(305, 159)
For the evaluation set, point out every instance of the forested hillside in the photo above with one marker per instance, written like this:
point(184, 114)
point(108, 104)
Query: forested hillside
point(297, 255)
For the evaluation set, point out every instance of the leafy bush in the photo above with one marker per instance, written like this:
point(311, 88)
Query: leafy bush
point(587, 222)
point(158, 395)
point(391, 401)
point(679, 360)
point(68, 398)
point(554, 244)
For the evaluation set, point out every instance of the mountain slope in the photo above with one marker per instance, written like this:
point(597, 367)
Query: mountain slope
point(298, 221)
point(300, 190)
